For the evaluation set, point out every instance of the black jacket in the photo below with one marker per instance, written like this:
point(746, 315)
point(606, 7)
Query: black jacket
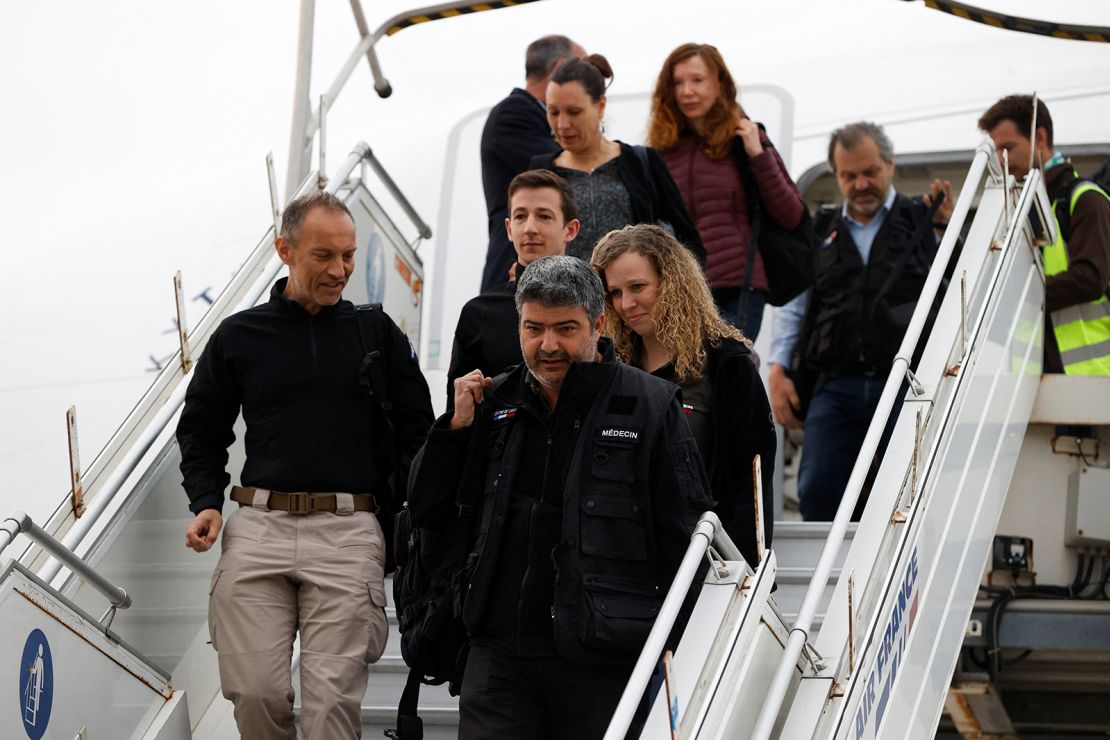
point(653, 194)
point(738, 429)
point(515, 131)
point(858, 314)
point(487, 337)
point(594, 540)
point(742, 429)
point(309, 425)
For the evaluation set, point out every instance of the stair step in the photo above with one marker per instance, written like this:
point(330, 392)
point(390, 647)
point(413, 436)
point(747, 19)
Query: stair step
point(157, 541)
point(799, 544)
point(803, 576)
point(165, 585)
point(439, 723)
point(384, 690)
point(794, 529)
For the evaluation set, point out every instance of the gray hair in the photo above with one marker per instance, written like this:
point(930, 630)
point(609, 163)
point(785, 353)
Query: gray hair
point(544, 53)
point(293, 217)
point(852, 134)
point(559, 281)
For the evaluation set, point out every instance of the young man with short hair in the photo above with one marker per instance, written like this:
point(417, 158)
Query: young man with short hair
point(542, 219)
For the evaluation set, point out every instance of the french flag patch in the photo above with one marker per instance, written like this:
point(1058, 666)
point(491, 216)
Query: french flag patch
point(829, 240)
point(503, 414)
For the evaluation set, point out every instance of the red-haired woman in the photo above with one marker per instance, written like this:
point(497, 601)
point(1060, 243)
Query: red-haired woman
point(706, 140)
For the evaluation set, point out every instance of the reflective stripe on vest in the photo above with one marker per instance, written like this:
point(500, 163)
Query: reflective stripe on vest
point(1082, 332)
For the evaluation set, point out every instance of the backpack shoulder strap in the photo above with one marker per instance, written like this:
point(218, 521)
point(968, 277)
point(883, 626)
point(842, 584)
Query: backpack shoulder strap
point(1064, 205)
point(409, 724)
point(823, 221)
point(642, 155)
point(370, 319)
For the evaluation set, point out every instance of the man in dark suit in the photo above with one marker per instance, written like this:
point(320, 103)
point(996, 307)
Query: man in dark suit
point(515, 131)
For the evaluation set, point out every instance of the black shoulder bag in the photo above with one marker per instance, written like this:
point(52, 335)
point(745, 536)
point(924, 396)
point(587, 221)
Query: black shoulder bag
point(426, 593)
point(789, 256)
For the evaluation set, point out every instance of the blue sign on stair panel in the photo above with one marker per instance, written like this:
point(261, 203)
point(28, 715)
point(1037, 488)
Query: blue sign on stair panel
point(36, 684)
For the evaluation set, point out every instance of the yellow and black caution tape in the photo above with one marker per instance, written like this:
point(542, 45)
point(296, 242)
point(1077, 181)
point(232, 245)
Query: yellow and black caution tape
point(1024, 25)
point(400, 24)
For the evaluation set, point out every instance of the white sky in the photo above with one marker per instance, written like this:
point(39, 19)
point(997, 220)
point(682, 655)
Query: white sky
point(133, 137)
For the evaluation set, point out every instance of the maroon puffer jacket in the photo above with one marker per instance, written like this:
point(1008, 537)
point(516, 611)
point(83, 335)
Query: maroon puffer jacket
point(715, 198)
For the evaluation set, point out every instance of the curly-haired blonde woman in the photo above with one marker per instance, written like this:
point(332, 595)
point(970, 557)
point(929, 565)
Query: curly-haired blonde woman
point(708, 144)
point(662, 319)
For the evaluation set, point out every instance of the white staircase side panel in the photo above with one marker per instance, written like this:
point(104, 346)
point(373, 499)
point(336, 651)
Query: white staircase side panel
point(730, 646)
point(910, 645)
point(67, 673)
point(872, 542)
point(961, 560)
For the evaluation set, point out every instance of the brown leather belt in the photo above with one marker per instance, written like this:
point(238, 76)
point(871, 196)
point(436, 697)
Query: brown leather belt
point(302, 503)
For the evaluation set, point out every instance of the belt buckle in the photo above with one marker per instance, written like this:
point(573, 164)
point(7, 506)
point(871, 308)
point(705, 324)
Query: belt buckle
point(299, 504)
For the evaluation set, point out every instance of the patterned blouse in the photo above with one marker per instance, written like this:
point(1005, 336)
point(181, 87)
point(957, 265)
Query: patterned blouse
point(603, 205)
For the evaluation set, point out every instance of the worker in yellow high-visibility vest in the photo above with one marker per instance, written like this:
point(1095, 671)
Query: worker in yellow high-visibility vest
point(1077, 264)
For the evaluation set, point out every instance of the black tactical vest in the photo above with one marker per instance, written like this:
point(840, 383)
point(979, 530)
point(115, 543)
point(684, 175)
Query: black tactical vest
point(859, 313)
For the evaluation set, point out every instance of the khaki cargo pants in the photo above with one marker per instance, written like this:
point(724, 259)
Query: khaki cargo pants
point(280, 574)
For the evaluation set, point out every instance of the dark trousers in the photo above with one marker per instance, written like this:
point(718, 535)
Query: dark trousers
point(504, 697)
point(728, 301)
point(836, 424)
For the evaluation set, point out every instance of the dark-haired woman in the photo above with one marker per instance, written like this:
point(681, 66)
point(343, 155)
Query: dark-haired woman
point(706, 141)
point(662, 319)
point(613, 183)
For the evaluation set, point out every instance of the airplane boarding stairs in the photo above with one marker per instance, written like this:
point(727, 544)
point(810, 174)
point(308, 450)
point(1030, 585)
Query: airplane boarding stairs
point(889, 641)
point(927, 510)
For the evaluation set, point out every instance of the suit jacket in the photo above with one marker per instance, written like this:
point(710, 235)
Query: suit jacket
point(515, 131)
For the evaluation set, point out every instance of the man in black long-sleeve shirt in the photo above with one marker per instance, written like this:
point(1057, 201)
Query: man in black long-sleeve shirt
point(542, 220)
point(304, 553)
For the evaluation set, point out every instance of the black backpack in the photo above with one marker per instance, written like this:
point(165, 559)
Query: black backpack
point(789, 255)
point(373, 334)
point(427, 595)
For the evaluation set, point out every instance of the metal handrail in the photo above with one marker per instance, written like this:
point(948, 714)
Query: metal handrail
point(20, 522)
point(422, 227)
point(799, 633)
point(709, 531)
point(306, 121)
point(107, 492)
